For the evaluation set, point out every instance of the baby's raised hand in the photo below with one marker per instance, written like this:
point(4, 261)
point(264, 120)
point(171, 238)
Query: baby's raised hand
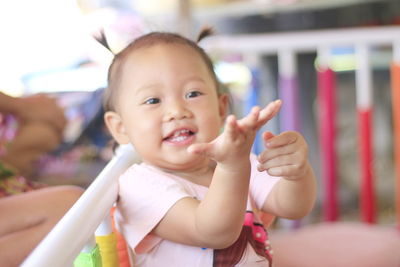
point(285, 155)
point(235, 143)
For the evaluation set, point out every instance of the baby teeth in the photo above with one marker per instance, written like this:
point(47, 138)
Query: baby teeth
point(177, 133)
point(178, 138)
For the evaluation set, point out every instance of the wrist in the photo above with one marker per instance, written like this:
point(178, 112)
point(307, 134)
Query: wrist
point(235, 167)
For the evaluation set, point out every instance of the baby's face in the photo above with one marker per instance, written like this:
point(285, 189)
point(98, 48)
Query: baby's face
point(168, 101)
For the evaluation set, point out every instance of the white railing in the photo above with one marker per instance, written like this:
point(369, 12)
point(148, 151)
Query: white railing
point(62, 245)
point(286, 45)
point(303, 41)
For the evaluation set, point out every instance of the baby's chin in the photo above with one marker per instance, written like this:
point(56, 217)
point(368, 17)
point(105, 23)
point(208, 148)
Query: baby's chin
point(180, 162)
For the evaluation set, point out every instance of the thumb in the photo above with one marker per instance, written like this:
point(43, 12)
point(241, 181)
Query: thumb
point(204, 149)
point(267, 136)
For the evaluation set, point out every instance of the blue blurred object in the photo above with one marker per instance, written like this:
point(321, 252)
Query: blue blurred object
point(85, 126)
point(251, 101)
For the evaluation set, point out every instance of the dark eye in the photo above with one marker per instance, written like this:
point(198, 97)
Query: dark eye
point(152, 101)
point(193, 94)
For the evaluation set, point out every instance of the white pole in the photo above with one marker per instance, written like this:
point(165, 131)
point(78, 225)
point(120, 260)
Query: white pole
point(286, 63)
point(363, 77)
point(324, 57)
point(61, 246)
point(105, 227)
point(396, 51)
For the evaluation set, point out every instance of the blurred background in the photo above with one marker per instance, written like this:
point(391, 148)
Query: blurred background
point(47, 46)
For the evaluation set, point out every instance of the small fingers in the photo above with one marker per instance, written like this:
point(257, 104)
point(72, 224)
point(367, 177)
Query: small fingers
point(274, 152)
point(266, 136)
point(268, 112)
point(287, 171)
point(286, 159)
point(290, 172)
point(231, 126)
point(251, 120)
point(295, 154)
point(285, 138)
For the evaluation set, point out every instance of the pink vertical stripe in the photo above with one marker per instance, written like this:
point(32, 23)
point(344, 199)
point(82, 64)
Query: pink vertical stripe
point(367, 197)
point(395, 74)
point(327, 118)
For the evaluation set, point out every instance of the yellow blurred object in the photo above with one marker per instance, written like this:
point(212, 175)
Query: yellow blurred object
point(166, 6)
point(108, 250)
point(12, 89)
point(155, 7)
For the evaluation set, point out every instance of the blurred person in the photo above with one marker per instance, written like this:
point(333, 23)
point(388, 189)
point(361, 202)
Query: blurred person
point(28, 210)
point(29, 127)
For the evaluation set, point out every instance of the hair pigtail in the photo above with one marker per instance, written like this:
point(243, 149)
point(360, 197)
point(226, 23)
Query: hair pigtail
point(101, 38)
point(205, 32)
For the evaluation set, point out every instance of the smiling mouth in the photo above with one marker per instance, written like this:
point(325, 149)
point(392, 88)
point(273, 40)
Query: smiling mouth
point(179, 136)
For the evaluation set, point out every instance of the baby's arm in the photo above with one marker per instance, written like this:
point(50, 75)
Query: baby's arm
point(286, 155)
point(217, 220)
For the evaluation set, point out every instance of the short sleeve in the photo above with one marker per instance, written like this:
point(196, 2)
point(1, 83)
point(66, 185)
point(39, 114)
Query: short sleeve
point(261, 183)
point(145, 196)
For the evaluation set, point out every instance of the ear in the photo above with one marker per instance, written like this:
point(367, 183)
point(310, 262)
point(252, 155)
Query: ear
point(116, 127)
point(223, 106)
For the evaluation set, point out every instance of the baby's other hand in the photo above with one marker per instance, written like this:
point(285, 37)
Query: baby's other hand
point(285, 155)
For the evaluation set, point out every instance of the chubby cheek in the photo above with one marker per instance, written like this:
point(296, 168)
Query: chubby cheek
point(141, 128)
point(212, 127)
point(147, 144)
point(146, 130)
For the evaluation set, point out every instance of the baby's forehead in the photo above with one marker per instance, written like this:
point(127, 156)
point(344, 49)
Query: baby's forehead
point(152, 55)
point(157, 56)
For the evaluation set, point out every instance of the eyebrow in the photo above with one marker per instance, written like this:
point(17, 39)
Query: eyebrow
point(156, 85)
point(138, 90)
point(194, 78)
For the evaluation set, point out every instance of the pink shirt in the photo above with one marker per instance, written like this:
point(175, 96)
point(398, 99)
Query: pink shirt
point(145, 196)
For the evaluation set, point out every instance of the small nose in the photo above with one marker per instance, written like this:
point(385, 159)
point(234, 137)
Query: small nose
point(177, 111)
